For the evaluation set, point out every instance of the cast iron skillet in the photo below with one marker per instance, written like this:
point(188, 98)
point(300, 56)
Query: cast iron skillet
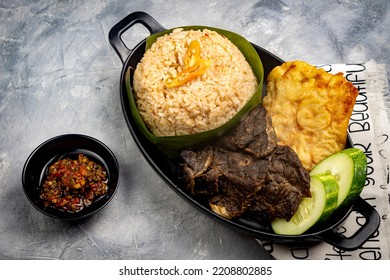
point(167, 168)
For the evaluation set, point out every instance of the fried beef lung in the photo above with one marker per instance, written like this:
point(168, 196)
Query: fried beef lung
point(247, 172)
point(287, 183)
point(253, 135)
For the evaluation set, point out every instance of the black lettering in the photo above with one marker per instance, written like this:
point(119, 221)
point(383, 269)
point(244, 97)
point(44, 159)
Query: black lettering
point(370, 170)
point(300, 253)
point(362, 68)
point(358, 117)
point(387, 179)
point(126, 271)
point(360, 107)
point(371, 252)
point(385, 138)
point(368, 199)
point(365, 149)
point(370, 159)
point(140, 269)
point(341, 230)
point(326, 67)
point(360, 220)
point(370, 255)
point(361, 93)
point(353, 78)
point(340, 254)
point(268, 246)
point(369, 181)
point(358, 127)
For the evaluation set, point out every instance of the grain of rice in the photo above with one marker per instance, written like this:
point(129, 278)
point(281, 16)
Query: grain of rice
point(202, 104)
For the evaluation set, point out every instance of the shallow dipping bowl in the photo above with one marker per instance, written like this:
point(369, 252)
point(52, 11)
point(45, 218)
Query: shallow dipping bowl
point(69, 145)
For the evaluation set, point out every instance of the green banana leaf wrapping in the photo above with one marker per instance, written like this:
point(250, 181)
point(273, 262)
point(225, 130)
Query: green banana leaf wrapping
point(172, 145)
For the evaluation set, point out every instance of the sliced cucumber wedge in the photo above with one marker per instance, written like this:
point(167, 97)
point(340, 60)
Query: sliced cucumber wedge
point(312, 210)
point(349, 167)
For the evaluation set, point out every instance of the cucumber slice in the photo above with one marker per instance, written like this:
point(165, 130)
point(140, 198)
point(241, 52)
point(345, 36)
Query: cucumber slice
point(312, 210)
point(349, 167)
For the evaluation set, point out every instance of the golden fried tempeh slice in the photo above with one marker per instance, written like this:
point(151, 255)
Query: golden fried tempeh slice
point(310, 109)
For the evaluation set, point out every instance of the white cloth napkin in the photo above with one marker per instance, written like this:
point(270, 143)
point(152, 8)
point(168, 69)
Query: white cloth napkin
point(369, 129)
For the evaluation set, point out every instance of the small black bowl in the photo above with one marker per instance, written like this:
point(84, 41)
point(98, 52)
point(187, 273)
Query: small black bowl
point(68, 145)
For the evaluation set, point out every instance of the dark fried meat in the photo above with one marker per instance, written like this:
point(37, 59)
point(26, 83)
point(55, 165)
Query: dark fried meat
point(246, 171)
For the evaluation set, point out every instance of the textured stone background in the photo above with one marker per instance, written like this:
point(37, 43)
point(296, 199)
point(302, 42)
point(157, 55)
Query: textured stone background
point(60, 75)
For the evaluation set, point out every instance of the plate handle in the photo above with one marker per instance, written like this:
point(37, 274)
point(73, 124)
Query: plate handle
point(361, 235)
point(115, 34)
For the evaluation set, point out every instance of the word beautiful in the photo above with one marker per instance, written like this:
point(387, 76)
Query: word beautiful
point(361, 122)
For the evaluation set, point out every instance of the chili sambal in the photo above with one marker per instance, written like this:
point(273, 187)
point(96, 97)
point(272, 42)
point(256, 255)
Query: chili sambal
point(72, 184)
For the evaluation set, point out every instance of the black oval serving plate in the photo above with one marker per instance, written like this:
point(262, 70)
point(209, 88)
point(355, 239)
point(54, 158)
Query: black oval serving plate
point(168, 169)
